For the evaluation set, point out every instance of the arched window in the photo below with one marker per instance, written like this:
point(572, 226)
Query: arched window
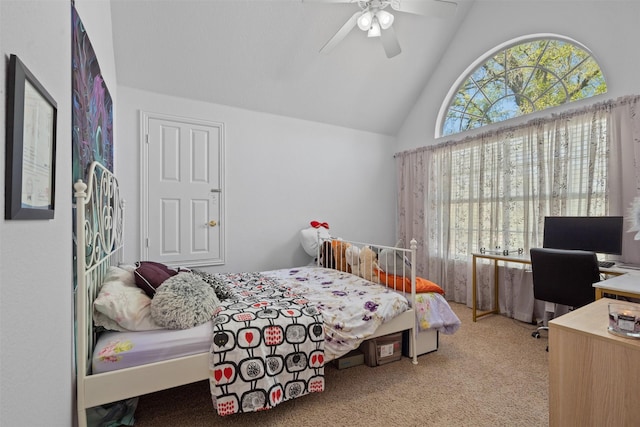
point(518, 78)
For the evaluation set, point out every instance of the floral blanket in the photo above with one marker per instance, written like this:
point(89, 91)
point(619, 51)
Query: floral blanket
point(434, 312)
point(352, 307)
point(268, 345)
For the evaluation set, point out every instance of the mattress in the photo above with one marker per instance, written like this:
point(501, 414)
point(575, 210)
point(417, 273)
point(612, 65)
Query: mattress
point(340, 296)
point(119, 350)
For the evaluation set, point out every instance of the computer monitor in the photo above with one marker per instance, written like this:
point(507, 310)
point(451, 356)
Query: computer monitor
point(600, 234)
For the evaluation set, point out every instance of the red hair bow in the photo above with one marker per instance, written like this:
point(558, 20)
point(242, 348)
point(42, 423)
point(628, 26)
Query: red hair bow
point(316, 224)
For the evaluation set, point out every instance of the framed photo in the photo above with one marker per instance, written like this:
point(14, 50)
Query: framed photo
point(31, 146)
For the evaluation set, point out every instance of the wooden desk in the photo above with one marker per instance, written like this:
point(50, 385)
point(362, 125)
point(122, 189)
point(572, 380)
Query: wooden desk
point(623, 284)
point(522, 259)
point(593, 374)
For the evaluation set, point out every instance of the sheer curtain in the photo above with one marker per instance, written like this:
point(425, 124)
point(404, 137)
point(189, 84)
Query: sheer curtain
point(624, 174)
point(494, 190)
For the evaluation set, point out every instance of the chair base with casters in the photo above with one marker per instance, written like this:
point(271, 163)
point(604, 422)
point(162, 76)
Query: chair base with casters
point(551, 312)
point(536, 333)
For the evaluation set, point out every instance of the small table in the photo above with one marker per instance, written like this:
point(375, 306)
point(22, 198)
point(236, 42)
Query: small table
point(625, 284)
point(521, 258)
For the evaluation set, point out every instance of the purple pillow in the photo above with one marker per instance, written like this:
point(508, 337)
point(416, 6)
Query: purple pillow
point(149, 275)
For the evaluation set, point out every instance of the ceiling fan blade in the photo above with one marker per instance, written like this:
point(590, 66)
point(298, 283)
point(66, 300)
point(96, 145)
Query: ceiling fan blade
point(342, 32)
point(328, 1)
point(436, 8)
point(390, 42)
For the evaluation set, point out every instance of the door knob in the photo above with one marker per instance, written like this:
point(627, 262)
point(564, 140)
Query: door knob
point(212, 223)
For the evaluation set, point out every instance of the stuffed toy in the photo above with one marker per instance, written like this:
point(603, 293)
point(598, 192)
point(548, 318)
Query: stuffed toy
point(309, 237)
point(339, 255)
point(326, 255)
point(368, 264)
point(392, 262)
point(352, 254)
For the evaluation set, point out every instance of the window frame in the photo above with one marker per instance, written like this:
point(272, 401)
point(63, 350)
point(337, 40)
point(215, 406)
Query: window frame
point(455, 87)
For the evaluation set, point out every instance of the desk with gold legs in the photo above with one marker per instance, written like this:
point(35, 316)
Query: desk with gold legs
point(495, 258)
point(624, 282)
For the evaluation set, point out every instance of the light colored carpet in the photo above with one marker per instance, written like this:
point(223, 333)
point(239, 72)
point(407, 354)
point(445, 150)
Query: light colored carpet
point(489, 373)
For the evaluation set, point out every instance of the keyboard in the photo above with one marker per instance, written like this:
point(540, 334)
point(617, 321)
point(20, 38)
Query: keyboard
point(606, 264)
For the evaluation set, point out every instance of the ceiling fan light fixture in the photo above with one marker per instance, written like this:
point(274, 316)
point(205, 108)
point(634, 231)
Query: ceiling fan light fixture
point(365, 20)
point(384, 18)
point(374, 31)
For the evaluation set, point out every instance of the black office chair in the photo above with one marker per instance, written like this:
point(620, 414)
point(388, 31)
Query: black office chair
point(563, 277)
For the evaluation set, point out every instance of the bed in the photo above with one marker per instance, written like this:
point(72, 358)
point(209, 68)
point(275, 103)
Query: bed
point(106, 373)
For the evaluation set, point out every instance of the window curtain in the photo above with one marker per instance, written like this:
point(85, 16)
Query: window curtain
point(494, 190)
point(624, 172)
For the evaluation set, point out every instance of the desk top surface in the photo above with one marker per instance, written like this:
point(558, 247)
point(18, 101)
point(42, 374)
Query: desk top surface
point(593, 320)
point(628, 281)
point(617, 270)
point(522, 258)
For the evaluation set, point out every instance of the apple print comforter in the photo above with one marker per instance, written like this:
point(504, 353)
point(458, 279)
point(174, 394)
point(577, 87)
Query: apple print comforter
point(275, 333)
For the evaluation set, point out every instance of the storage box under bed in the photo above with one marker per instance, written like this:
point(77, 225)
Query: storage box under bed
point(381, 350)
point(427, 342)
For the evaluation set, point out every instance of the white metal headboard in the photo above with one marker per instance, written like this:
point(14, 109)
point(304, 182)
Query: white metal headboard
point(99, 234)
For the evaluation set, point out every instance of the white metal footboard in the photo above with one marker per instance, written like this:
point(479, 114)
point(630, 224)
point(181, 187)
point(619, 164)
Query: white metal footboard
point(366, 267)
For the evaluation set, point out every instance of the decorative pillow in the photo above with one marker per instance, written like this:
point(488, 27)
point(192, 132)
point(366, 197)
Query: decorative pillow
point(120, 305)
point(130, 268)
point(184, 301)
point(400, 283)
point(121, 273)
point(220, 288)
point(149, 275)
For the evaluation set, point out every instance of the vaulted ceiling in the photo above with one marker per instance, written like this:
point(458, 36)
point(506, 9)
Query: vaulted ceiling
point(263, 55)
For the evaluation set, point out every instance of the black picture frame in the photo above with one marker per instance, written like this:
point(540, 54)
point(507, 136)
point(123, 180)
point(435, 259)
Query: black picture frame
point(31, 146)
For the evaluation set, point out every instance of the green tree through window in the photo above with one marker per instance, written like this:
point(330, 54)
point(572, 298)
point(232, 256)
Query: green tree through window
point(523, 78)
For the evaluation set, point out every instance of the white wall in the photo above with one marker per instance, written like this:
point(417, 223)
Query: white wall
point(36, 280)
point(281, 173)
point(607, 28)
point(36, 309)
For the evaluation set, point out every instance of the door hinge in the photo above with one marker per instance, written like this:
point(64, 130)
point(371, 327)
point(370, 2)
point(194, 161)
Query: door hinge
point(147, 241)
point(146, 138)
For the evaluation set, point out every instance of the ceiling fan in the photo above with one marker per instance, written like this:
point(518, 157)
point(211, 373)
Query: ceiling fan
point(376, 21)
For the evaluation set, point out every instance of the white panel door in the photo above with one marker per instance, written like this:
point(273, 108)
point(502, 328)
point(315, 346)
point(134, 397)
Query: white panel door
point(183, 204)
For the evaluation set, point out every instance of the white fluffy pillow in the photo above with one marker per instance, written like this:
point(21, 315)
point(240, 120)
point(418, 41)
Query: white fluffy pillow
point(121, 305)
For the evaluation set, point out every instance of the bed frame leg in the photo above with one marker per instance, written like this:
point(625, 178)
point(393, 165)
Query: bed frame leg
point(82, 417)
point(414, 345)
